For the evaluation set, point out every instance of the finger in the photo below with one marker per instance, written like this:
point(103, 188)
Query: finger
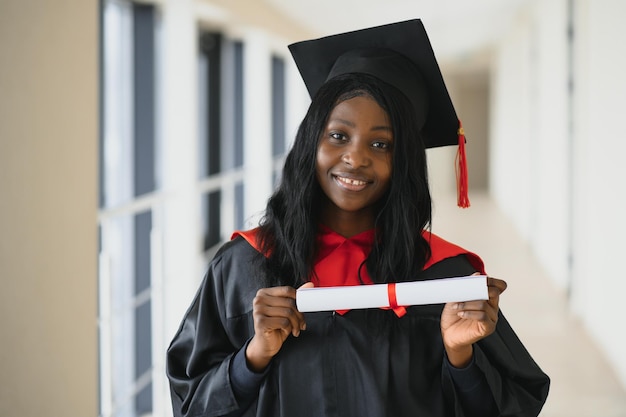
point(480, 322)
point(307, 285)
point(497, 283)
point(269, 324)
point(476, 315)
point(451, 307)
point(280, 302)
point(283, 292)
point(471, 305)
point(495, 291)
point(263, 302)
point(480, 310)
point(276, 296)
point(287, 320)
point(289, 313)
point(479, 306)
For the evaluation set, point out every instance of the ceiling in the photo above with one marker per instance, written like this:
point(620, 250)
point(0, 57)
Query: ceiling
point(458, 29)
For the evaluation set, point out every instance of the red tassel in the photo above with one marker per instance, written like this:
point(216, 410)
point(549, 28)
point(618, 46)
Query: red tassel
point(461, 171)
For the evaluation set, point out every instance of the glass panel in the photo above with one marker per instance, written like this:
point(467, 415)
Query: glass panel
point(117, 123)
point(144, 97)
point(238, 95)
point(203, 115)
point(239, 206)
point(143, 401)
point(143, 357)
point(212, 218)
point(143, 226)
point(118, 244)
point(210, 93)
point(278, 106)
point(143, 321)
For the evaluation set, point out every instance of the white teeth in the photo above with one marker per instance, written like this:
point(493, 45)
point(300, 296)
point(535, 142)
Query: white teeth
point(351, 181)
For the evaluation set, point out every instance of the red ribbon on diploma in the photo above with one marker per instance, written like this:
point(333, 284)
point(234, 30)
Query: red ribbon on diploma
point(393, 301)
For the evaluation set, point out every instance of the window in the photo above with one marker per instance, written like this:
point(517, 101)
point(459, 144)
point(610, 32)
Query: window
point(128, 200)
point(168, 199)
point(221, 136)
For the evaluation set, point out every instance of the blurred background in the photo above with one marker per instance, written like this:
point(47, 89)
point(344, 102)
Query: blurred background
point(135, 136)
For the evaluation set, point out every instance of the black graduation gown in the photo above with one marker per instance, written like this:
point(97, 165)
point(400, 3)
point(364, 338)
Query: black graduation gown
point(364, 363)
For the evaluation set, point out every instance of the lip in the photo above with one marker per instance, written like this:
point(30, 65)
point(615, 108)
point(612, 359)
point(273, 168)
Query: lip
point(351, 182)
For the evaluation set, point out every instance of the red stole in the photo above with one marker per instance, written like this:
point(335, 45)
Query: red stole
point(341, 261)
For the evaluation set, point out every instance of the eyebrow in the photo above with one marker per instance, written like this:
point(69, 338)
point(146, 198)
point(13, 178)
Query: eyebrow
point(351, 124)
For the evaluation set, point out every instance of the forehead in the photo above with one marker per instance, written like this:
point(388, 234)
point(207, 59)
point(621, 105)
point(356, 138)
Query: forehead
point(357, 93)
point(362, 107)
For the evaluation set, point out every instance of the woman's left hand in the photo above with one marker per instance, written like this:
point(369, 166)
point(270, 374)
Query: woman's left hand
point(463, 324)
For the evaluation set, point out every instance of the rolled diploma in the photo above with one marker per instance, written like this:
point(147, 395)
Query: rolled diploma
point(434, 291)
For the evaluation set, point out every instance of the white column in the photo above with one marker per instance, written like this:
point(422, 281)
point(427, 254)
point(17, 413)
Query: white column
point(257, 124)
point(298, 100)
point(550, 211)
point(180, 217)
point(510, 151)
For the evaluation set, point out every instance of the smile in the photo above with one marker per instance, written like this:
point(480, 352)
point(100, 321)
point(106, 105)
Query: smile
point(351, 183)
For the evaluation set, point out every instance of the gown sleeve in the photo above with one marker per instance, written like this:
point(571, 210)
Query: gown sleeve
point(473, 391)
point(215, 327)
point(517, 384)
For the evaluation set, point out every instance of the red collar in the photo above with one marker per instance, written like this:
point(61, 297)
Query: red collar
point(341, 261)
point(329, 241)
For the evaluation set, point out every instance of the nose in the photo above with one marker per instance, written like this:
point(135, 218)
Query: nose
point(355, 156)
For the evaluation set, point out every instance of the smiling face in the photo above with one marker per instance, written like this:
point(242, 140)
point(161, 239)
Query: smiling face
point(354, 163)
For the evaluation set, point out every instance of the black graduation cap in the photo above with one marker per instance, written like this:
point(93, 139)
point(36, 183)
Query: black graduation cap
point(401, 55)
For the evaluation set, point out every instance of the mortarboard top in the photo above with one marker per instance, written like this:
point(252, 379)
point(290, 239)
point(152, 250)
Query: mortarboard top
point(368, 51)
point(401, 55)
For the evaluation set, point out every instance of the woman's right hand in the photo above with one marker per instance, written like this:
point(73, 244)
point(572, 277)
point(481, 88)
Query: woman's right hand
point(275, 317)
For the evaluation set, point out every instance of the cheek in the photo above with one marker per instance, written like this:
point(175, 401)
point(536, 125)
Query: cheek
point(386, 169)
point(385, 176)
point(319, 165)
point(322, 160)
point(390, 164)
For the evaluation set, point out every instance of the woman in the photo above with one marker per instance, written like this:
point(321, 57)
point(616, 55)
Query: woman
point(353, 208)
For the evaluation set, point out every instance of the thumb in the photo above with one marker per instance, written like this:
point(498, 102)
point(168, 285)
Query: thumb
point(307, 285)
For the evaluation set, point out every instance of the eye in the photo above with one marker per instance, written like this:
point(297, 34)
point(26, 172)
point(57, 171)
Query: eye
point(340, 137)
point(381, 144)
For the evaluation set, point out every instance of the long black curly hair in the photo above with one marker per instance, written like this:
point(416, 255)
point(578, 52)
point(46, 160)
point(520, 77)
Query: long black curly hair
point(288, 229)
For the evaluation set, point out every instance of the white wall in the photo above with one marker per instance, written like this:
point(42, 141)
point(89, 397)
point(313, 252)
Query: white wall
point(48, 205)
point(564, 190)
point(548, 138)
point(530, 152)
point(600, 194)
